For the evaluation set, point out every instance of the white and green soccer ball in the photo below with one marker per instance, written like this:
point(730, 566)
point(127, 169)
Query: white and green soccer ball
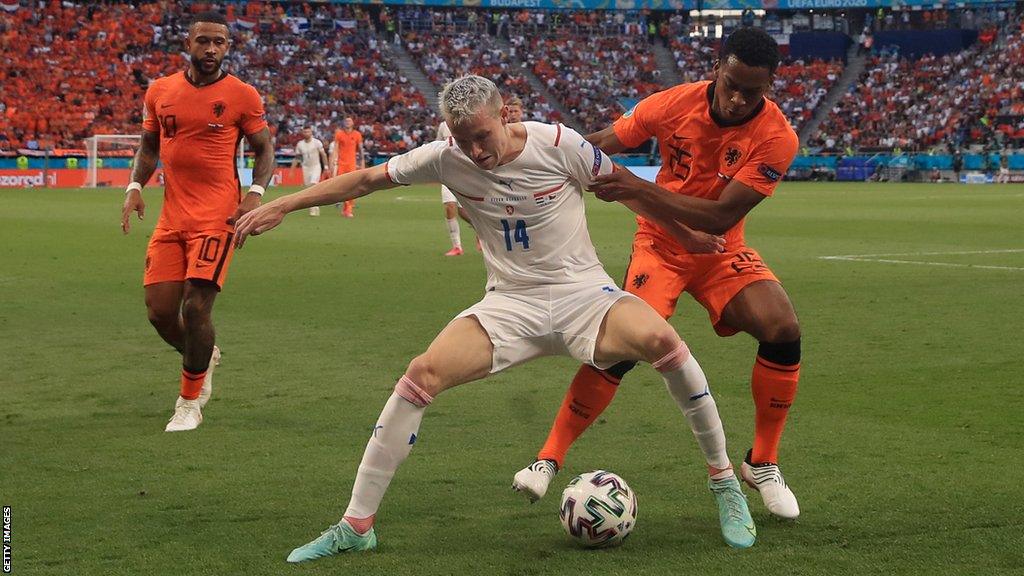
point(598, 509)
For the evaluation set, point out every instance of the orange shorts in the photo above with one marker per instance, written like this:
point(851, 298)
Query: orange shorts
point(178, 255)
point(658, 275)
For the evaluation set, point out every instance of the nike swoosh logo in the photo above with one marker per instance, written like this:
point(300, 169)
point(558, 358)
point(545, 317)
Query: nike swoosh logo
point(166, 105)
point(203, 264)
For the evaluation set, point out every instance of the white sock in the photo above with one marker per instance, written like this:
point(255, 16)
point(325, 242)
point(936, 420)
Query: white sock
point(453, 232)
point(389, 445)
point(687, 384)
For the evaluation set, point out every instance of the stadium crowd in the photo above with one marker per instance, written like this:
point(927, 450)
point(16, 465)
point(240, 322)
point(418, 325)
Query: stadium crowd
point(337, 65)
point(67, 72)
point(73, 69)
point(448, 56)
point(947, 102)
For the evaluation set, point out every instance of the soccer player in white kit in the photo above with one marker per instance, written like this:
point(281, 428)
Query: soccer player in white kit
point(448, 199)
point(310, 151)
point(546, 293)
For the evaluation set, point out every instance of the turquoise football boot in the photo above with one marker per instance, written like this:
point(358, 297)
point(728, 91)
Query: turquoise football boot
point(737, 526)
point(337, 539)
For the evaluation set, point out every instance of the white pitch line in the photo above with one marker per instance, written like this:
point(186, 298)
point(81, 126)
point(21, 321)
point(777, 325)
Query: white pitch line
point(886, 258)
point(947, 253)
point(416, 199)
point(944, 264)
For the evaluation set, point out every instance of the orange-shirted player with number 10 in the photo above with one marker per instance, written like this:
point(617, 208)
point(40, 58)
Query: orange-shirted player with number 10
point(724, 148)
point(193, 121)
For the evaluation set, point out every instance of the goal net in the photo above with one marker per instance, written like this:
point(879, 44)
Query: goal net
point(103, 149)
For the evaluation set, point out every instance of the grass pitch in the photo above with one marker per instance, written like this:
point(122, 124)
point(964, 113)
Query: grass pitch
point(903, 445)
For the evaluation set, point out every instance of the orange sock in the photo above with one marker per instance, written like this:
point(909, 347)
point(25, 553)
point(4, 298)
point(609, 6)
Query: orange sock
point(191, 384)
point(349, 205)
point(774, 388)
point(589, 394)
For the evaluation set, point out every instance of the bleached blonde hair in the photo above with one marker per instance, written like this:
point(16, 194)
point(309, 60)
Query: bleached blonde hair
point(464, 97)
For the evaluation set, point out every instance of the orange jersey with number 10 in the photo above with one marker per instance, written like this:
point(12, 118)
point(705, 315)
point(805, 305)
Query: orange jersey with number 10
point(700, 157)
point(200, 127)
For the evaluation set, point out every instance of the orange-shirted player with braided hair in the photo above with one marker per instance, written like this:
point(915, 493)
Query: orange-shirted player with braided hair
point(724, 148)
point(193, 121)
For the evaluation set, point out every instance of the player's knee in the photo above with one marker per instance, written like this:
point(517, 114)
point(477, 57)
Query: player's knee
point(660, 342)
point(194, 310)
point(423, 371)
point(161, 316)
point(785, 330)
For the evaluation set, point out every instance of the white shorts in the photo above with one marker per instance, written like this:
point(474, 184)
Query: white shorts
point(310, 176)
point(447, 195)
point(557, 320)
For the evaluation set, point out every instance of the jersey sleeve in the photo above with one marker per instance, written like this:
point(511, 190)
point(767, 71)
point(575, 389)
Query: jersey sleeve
point(419, 166)
point(253, 116)
point(769, 162)
point(150, 122)
point(640, 124)
point(584, 161)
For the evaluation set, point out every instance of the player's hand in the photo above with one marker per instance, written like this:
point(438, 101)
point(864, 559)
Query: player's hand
point(258, 221)
point(619, 185)
point(132, 203)
point(248, 204)
point(697, 242)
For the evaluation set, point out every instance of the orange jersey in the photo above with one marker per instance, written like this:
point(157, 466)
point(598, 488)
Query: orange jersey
point(699, 156)
point(200, 127)
point(347, 146)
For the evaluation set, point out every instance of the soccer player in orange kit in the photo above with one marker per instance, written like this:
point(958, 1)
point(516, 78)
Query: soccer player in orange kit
point(347, 156)
point(193, 121)
point(724, 148)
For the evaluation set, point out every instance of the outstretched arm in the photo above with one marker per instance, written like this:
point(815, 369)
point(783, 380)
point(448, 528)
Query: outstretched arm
point(713, 216)
point(695, 241)
point(338, 189)
point(142, 169)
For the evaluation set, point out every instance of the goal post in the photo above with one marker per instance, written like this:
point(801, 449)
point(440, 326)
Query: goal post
point(100, 145)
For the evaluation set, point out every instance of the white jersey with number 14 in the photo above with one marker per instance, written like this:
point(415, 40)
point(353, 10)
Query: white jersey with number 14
point(528, 213)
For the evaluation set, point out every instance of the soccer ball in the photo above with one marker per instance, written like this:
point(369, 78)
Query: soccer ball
point(598, 509)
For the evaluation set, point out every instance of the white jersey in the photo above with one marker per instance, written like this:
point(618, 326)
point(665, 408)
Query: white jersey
point(529, 212)
point(310, 153)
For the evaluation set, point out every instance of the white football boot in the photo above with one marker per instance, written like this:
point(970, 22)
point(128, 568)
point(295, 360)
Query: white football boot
point(534, 479)
point(204, 394)
point(188, 415)
point(768, 481)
